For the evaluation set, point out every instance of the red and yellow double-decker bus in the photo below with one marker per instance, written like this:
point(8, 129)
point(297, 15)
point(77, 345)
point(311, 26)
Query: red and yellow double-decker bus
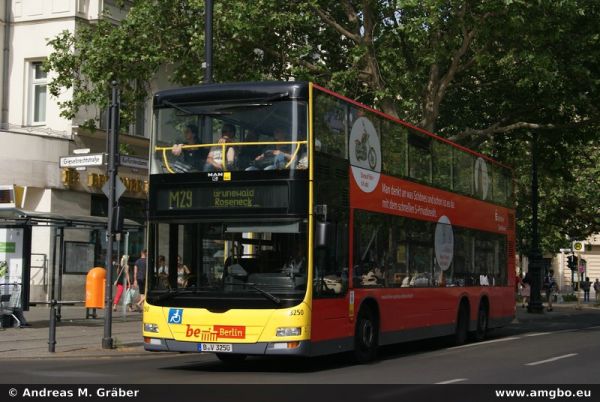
point(285, 219)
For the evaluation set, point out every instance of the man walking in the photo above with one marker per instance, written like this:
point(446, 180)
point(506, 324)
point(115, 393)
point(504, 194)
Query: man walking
point(550, 286)
point(585, 286)
point(139, 275)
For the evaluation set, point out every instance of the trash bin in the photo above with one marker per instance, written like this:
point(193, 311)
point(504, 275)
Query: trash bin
point(95, 283)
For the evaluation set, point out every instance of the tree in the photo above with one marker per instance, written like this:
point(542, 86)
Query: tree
point(485, 74)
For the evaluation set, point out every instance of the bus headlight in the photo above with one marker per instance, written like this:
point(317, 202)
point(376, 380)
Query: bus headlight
point(150, 327)
point(289, 331)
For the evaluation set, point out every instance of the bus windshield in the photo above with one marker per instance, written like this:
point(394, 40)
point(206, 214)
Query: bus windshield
point(232, 136)
point(255, 260)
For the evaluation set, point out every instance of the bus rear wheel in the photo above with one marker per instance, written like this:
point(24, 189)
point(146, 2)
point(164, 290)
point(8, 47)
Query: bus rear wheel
point(366, 336)
point(462, 326)
point(482, 323)
point(231, 357)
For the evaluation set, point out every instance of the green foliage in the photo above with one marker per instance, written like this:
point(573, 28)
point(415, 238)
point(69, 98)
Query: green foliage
point(485, 74)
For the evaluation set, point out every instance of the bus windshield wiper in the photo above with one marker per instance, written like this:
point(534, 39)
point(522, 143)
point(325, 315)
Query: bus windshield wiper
point(263, 292)
point(181, 109)
point(170, 294)
point(195, 113)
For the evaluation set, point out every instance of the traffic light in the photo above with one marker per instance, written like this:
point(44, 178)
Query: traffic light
point(572, 262)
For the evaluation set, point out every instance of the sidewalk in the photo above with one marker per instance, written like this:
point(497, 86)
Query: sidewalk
point(76, 336)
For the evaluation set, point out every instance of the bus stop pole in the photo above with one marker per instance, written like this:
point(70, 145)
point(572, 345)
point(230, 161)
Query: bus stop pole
point(107, 340)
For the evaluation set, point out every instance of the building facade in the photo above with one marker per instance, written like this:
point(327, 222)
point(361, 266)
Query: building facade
point(588, 266)
point(33, 138)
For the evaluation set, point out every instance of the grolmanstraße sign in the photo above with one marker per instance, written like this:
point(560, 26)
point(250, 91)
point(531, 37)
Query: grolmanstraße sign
point(82, 160)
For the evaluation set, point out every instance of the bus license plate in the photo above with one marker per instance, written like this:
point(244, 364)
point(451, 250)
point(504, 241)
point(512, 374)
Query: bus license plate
point(216, 347)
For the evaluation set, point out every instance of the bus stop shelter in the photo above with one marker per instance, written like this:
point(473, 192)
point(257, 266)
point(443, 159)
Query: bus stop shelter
point(16, 227)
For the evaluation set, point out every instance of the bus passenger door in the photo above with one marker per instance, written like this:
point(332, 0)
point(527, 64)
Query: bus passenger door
point(330, 285)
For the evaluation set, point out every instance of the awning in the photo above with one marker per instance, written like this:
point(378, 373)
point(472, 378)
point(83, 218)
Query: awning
point(20, 217)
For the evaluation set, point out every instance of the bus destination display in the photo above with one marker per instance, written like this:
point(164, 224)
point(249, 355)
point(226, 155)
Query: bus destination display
point(223, 197)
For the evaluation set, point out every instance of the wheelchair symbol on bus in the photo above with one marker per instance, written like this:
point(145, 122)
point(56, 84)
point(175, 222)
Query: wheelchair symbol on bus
point(175, 315)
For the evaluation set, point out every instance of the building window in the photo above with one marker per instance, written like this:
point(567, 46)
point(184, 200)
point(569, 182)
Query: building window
point(38, 94)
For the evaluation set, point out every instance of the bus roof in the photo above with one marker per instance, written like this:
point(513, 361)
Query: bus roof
point(240, 91)
point(276, 90)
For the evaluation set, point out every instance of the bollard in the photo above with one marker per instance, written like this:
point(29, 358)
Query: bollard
point(52, 327)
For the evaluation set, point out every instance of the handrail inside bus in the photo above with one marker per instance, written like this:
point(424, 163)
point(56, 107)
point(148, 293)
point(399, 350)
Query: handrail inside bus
point(230, 144)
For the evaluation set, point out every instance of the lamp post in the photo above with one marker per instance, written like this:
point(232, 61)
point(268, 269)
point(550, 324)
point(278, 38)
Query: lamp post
point(208, 41)
point(535, 255)
point(113, 166)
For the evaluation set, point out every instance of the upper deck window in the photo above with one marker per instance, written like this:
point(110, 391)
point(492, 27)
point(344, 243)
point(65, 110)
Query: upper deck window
point(230, 137)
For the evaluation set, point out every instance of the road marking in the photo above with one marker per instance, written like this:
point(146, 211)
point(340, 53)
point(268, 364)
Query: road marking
point(551, 359)
point(468, 345)
point(538, 334)
point(452, 381)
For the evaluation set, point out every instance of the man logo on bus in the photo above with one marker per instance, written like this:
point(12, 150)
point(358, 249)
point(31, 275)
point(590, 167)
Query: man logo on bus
point(175, 315)
point(365, 154)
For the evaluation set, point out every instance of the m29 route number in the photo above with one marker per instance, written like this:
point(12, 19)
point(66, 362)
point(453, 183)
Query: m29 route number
point(180, 199)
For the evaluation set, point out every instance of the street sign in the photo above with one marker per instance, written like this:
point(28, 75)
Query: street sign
point(134, 162)
point(119, 189)
point(578, 246)
point(82, 161)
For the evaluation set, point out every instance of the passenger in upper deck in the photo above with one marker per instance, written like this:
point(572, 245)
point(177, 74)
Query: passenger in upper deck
point(280, 155)
point(248, 153)
point(193, 157)
point(214, 159)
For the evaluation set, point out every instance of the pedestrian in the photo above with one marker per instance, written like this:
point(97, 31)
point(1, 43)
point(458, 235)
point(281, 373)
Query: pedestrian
point(122, 281)
point(597, 290)
point(525, 289)
point(585, 286)
point(550, 287)
point(139, 277)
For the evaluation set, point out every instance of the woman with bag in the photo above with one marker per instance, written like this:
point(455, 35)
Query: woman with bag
point(525, 289)
point(122, 281)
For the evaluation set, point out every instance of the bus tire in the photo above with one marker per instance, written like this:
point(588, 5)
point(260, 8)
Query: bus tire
point(231, 358)
point(481, 330)
point(462, 326)
point(366, 336)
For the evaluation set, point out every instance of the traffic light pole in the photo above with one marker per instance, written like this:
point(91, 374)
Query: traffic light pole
point(535, 256)
point(113, 165)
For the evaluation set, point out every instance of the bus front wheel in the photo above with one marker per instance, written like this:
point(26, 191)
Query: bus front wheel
point(366, 336)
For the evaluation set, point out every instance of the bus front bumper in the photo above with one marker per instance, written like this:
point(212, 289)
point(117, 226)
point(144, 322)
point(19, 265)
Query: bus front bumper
point(259, 348)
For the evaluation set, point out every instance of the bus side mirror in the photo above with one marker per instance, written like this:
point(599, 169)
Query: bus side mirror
point(324, 233)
